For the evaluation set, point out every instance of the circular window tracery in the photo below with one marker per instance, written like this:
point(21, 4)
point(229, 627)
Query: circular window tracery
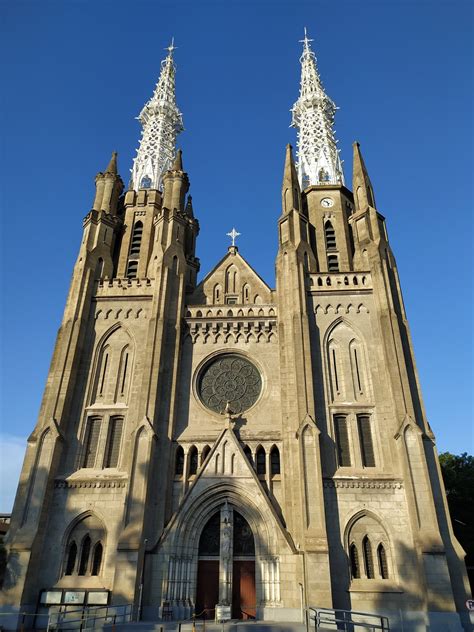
point(229, 378)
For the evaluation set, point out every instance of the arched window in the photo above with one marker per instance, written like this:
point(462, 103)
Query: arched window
point(97, 559)
point(91, 533)
point(145, 182)
point(354, 560)
point(275, 461)
point(342, 441)
point(368, 561)
point(85, 552)
point(210, 540)
point(71, 559)
point(179, 462)
point(136, 239)
point(193, 461)
point(248, 454)
point(330, 236)
point(382, 559)
point(205, 451)
point(261, 461)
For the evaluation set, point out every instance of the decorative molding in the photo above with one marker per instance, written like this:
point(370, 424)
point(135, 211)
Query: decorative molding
point(89, 483)
point(231, 331)
point(122, 314)
point(363, 483)
point(341, 309)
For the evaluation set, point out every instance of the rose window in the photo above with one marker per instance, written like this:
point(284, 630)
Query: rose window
point(229, 378)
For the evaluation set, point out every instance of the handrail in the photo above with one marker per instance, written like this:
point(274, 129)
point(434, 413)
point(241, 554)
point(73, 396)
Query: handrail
point(60, 620)
point(337, 616)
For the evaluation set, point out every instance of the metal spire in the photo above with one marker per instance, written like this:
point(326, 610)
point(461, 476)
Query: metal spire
point(162, 122)
point(313, 115)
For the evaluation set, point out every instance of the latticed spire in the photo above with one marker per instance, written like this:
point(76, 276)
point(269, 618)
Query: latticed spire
point(162, 122)
point(313, 115)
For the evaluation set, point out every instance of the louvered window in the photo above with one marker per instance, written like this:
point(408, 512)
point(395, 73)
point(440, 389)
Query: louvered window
point(382, 558)
point(113, 442)
point(85, 552)
point(330, 236)
point(342, 441)
point(333, 263)
point(261, 461)
point(275, 461)
point(354, 559)
point(368, 561)
point(136, 240)
point(366, 443)
point(193, 461)
point(71, 558)
point(91, 441)
point(132, 269)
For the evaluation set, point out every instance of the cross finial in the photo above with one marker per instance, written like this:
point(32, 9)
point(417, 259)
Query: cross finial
point(306, 40)
point(233, 234)
point(171, 47)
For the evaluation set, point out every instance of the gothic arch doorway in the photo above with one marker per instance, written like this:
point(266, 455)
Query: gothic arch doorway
point(226, 566)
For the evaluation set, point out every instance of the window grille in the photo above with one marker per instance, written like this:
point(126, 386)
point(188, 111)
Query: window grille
point(330, 236)
point(132, 269)
point(333, 263)
point(136, 239)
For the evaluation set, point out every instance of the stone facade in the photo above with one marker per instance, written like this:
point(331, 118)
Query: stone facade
point(321, 446)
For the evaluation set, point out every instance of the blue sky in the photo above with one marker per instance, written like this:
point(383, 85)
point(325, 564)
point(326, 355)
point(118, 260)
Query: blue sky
point(78, 73)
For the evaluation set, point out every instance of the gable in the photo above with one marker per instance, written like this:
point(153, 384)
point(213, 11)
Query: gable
point(232, 281)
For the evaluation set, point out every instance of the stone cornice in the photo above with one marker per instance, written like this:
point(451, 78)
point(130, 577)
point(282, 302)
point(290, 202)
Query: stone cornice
point(366, 483)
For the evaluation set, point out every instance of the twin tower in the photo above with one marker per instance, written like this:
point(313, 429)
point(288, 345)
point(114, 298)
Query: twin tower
point(222, 447)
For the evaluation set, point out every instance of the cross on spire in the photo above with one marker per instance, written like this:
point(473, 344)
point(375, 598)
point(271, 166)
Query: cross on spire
point(306, 40)
point(233, 234)
point(171, 47)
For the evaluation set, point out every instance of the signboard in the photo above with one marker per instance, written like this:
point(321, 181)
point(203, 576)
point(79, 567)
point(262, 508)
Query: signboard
point(74, 596)
point(98, 598)
point(50, 597)
point(223, 613)
point(470, 604)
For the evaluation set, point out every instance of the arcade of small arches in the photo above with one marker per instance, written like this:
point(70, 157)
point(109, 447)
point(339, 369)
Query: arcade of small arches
point(84, 549)
point(265, 462)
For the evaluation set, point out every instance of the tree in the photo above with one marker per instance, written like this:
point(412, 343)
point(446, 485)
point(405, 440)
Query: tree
point(458, 475)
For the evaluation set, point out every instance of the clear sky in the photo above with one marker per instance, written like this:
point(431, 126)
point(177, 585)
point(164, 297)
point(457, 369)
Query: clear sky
point(78, 72)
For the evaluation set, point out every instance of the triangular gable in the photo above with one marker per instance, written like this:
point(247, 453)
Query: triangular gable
point(226, 462)
point(232, 278)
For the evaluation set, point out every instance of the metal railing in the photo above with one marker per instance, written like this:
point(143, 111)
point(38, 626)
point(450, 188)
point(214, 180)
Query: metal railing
point(88, 618)
point(23, 621)
point(347, 620)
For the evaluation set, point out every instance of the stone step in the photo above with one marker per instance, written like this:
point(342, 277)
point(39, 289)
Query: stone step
point(229, 626)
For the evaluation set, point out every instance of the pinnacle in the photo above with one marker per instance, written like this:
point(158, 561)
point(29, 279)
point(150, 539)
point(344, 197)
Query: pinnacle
point(178, 161)
point(112, 166)
point(189, 207)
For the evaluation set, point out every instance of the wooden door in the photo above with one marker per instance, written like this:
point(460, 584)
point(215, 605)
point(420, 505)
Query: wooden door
point(207, 594)
point(243, 590)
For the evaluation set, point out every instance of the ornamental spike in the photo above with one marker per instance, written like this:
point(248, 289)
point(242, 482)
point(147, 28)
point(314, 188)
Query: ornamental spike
point(161, 122)
point(112, 166)
point(313, 116)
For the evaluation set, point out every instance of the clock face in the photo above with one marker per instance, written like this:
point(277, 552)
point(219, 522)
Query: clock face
point(327, 202)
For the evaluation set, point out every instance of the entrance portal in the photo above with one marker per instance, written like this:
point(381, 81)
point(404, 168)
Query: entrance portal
point(226, 566)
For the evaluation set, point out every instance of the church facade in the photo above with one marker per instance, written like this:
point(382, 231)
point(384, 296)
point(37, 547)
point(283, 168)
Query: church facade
point(227, 444)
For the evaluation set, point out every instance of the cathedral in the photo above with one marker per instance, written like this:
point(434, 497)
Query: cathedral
point(218, 447)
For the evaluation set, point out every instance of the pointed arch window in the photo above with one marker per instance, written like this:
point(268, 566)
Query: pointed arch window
point(261, 462)
point(97, 559)
point(354, 560)
point(205, 451)
point(368, 560)
point(275, 461)
point(179, 462)
point(382, 560)
point(71, 558)
point(85, 553)
point(330, 235)
point(193, 461)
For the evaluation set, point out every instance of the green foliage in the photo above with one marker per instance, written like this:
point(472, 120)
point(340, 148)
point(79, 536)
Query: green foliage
point(458, 475)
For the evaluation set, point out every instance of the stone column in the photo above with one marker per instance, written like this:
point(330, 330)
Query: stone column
point(226, 556)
